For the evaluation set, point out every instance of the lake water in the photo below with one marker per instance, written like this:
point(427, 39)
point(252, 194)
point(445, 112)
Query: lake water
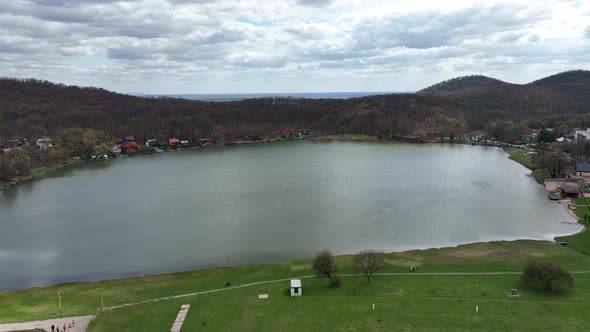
point(260, 203)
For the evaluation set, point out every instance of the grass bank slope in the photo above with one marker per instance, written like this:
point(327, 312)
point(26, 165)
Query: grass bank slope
point(85, 298)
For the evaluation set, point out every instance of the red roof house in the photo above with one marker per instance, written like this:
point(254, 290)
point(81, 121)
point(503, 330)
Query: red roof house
point(173, 141)
point(130, 145)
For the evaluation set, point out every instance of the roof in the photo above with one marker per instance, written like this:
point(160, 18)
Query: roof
point(174, 141)
point(295, 283)
point(582, 167)
point(130, 145)
point(570, 189)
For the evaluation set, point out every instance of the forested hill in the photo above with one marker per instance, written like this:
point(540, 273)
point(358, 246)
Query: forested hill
point(461, 83)
point(567, 78)
point(32, 108)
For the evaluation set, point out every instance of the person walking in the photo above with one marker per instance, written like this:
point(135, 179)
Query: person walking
point(52, 328)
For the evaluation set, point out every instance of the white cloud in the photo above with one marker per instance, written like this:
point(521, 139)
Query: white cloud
point(181, 46)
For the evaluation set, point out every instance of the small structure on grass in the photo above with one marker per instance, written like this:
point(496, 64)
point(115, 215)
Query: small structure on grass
point(513, 293)
point(296, 287)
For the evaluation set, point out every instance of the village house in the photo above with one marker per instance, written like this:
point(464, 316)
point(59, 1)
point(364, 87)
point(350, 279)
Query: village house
point(173, 142)
point(116, 149)
point(582, 136)
point(151, 142)
point(44, 143)
point(129, 145)
point(583, 170)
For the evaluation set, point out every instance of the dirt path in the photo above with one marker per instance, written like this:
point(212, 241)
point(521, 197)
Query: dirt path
point(81, 324)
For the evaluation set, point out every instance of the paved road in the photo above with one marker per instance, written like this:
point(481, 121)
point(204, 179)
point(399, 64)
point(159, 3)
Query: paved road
point(81, 324)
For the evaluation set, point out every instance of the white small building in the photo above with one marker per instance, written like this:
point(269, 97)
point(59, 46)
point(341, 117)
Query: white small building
point(44, 143)
point(296, 287)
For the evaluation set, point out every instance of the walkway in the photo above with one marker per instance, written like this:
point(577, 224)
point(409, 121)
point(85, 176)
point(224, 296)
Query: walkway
point(180, 318)
point(81, 324)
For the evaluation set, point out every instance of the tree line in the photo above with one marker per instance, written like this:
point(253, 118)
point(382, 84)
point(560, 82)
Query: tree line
point(32, 108)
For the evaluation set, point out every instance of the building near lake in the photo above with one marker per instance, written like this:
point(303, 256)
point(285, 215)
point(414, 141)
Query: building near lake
point(583, 170)
point(44, 143)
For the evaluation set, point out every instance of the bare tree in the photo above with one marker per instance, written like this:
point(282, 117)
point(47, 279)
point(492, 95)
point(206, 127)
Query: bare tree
point(368, 262)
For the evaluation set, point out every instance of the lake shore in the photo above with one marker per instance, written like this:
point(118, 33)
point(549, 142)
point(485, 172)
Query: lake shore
point(38, 173)
point(84, 298)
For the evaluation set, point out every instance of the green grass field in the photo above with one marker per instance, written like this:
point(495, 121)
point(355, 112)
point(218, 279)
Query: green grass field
point(439, 298)
point(520, 156)
point(401, 303)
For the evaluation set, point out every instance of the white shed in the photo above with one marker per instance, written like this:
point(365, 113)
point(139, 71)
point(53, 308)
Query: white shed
point(296, 287)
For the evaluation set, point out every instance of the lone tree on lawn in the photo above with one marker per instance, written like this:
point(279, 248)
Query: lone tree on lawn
point(544, 275)
point(324, 266)
point(367, 262)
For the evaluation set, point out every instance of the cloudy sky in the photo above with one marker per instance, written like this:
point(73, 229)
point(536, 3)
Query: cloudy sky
point(210, 46)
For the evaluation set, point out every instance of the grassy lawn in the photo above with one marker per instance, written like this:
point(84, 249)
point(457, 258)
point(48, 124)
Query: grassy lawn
point(520, 156)
point(579, 241)
point(39, 172)
point(582, 211)
point(85, 298)
point(541, 174)
point(401, 303)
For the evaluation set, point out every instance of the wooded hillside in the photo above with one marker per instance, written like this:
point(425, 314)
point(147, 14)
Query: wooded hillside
point(32, 108)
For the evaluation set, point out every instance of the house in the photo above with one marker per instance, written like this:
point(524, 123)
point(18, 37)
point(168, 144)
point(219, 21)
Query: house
point(566, 187)
point(173, 141)
point(582, 136)
point(115, 149)
point(129, 145)
point(151, 142)
point(44, 143)
point(296, 287)
point(583, 170)
point(205, 141)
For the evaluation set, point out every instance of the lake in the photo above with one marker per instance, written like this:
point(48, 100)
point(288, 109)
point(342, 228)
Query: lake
point(258, 203)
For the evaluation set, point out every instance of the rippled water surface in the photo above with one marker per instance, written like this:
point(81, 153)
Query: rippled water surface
point(246, 204)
